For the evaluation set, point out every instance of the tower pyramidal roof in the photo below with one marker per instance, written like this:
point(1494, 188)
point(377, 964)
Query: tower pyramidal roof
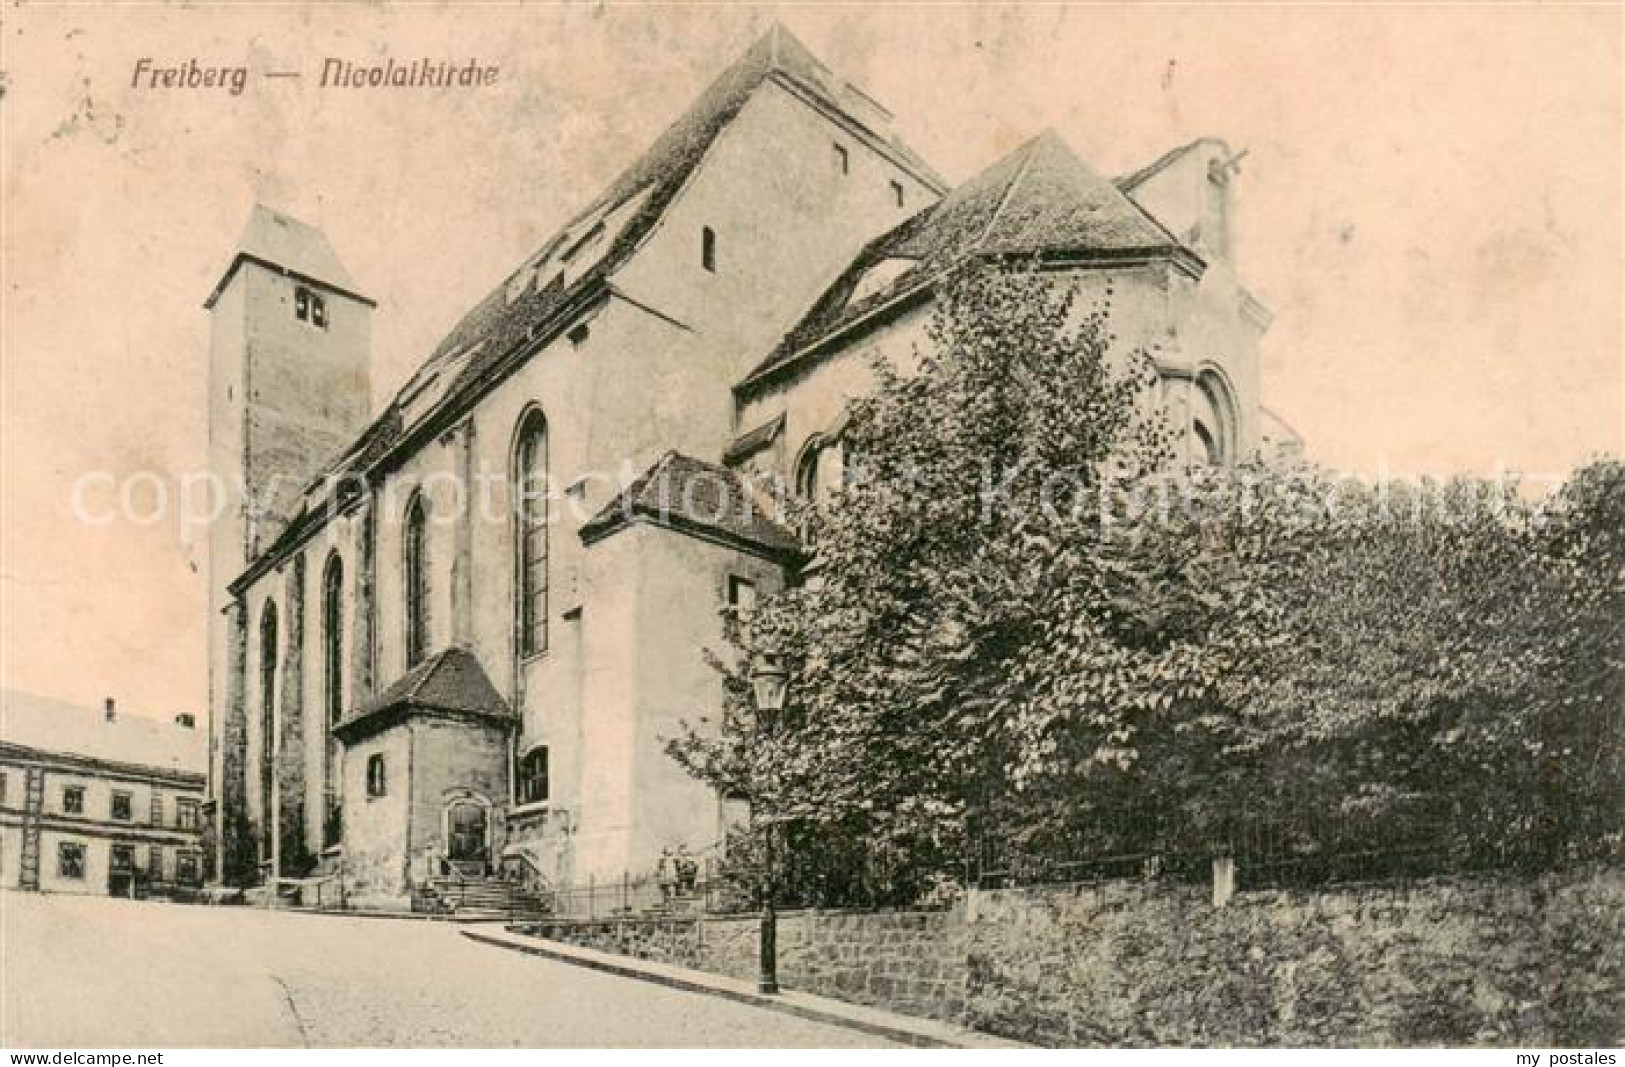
point(283, 243)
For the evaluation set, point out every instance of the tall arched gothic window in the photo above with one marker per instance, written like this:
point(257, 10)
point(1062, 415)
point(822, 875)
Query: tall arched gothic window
point(267, 668)
point(333, 639)
point(1214, 423)
point(332, 689)
point(416, 572)
point(530, 535)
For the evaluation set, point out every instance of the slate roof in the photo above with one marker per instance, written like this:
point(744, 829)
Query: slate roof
point(689, 494)
point(284, 241)
point(54, 726)
point(450, 682)
point(483, 345)
point(1040, 199)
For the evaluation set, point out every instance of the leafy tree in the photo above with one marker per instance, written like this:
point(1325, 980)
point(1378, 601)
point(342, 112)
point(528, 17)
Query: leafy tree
point(1026, 623)
point(1447, 688)
point(977, 631)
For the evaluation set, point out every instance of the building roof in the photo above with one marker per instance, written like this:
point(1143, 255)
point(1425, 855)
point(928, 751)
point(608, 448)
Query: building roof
point(691, 495)
point(753, 441)
point(282, 241)
point(1040, 200)
point(47, 725)
point(538, 298)
point(1129, 182)
point(449, 682)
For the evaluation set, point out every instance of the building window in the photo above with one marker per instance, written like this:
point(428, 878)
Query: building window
point(333, 638)
point(819, 470)
point(417, 580)
point(377, 777)
point(121, 859)
point(73, 799)
point(897, 193)
point(530, 534)
point(157, 808)
point(1213, 421)
point(309, 307)
point(533, 776)
point(267, 662)
point(186, 813)
point(807, 474)
point(708, 249)
point(2, 787)
point(155, 863)
point(70, 859)
point(186, 868)
point(120, 808)
point(843, 162)
point(1207, 449)
point(741, 594)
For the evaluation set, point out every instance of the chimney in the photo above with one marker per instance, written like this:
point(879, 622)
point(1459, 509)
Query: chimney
point(187, 720)
point(107, 709)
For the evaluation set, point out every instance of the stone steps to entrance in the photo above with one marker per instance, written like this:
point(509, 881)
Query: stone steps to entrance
point(487, 898)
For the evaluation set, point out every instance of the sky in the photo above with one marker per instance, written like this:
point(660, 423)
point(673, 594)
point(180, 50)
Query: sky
point(1430, 206)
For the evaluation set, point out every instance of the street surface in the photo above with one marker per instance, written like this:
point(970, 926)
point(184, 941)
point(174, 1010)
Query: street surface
point(91, 972)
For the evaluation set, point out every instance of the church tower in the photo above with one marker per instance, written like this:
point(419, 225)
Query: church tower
point(289, 389)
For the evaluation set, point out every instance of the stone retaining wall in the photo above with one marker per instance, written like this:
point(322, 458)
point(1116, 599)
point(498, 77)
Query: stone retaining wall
point(1459, 961)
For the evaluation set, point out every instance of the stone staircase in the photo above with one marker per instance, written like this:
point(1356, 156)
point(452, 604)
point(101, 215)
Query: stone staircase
point(481, 898)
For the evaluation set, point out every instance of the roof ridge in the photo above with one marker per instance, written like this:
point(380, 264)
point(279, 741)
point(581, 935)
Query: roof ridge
point(425, 671)
point(1027, 152)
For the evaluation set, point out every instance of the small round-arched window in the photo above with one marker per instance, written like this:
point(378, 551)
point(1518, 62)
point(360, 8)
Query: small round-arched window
point(377, 775)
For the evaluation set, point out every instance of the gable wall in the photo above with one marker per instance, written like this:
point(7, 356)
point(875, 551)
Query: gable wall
point(787, 223)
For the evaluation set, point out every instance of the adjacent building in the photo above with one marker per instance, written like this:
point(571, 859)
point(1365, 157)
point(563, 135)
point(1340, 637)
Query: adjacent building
point(452, 636)
point(99, 802)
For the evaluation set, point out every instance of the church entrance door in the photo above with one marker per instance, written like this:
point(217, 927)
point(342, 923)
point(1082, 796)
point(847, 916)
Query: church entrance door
point(466, 848)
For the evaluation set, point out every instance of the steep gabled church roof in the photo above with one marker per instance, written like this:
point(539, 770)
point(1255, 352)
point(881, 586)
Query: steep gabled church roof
point(1040, 199)
point(450, 682)
point(496, 325)
point(657, 176)
point(696, 497)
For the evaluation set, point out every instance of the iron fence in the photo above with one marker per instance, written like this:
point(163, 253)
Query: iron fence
point(1303, 841)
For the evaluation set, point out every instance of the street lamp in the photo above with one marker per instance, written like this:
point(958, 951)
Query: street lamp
point(768, 682)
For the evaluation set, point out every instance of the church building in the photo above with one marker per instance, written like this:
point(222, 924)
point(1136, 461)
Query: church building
point(451, 637)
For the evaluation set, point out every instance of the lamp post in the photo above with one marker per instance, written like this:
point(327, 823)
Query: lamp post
point(768, 682)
